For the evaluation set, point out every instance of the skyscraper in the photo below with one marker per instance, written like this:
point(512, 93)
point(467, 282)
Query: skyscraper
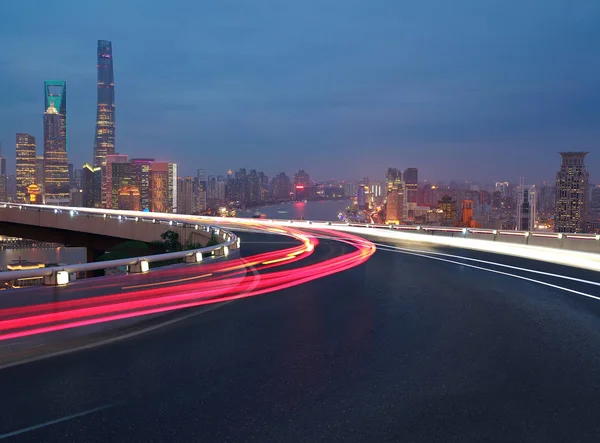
point(107, 179)
point(39, 171)
point(104, 143)
point(56, 172)
point(159, 187)
point(25, 163)
point(301, 184)
point(526, 207)
point(411, 178)
point(3, 178)
point(172, 186)
point(56, 95)
point(571, 193)
point(91, 186)
point(396, 204)
point(141, 169)
point(185, 197)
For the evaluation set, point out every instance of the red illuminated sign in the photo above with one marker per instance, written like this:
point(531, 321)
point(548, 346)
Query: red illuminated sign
point(299, 186)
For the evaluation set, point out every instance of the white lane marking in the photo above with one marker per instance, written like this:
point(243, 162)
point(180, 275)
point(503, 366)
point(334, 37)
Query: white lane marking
point(573, 291)
point(517, 268)
point(382, 246)
point(131, 334)
point(53, 422)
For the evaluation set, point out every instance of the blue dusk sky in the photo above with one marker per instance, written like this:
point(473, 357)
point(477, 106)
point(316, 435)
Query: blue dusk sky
point(468, 89)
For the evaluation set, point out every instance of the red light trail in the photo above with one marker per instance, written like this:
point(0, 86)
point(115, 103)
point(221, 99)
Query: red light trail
point(211, 283)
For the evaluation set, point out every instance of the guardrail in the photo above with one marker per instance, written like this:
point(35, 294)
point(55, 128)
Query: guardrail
point(60, 275)
point(567, 241)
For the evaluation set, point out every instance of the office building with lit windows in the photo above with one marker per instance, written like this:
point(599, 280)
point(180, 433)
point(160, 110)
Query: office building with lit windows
point(56, 95)
point(25, 165)
point(172, 186)
point(104, 143)
point(396, 208)
point(301, 185)
point(91, 184)
point(571, 193)
point(56, 172)
point(159, 187)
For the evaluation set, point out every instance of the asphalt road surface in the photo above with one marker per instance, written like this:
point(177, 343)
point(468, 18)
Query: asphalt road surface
point(404, 348)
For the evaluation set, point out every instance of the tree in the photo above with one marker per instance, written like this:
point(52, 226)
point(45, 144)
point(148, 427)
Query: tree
point(171, 240)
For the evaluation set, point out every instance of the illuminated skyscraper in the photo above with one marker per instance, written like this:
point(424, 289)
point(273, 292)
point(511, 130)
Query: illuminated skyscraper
point(110, 195)
point(396, 205)
point(104, 143)
point(56, 94)
point(25, 165)
point(172, 185)
point(571, 193)
point(56, 172)
point(141, 170)
point(301, 184)
point(159, 187)
point(91, 186)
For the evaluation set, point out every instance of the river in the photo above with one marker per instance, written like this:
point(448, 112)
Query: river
point(324, 210)
point(50, 255)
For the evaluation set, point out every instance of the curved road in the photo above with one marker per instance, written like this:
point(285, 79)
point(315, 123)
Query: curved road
point(403, 348)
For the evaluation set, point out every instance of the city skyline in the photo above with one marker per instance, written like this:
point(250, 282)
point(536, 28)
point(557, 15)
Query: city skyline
point(500, 107)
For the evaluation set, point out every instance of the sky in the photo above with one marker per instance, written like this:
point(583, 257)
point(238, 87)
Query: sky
point(480, 90)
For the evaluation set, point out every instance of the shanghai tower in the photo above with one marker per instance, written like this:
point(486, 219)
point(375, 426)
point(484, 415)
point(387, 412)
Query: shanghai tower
point(104, 143)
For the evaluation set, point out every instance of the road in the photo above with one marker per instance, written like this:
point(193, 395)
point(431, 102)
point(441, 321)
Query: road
point(401, 348)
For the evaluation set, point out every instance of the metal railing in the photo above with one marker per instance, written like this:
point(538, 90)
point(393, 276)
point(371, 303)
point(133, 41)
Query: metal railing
point(228, 244)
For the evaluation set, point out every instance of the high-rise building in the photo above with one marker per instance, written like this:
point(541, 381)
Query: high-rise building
point(141, 169)
point(104, 143)
point(129, 198)
point(448, 206)
point(595, 200)
point(200, 193)
point(56, 95)
point(91, 186)
point(467, 213)
point(411, 179)
point(25, 165)
point(159, 187)
point(301, 185)
point(281, 187)
point(108, 193)
point(3, 178)
point(71, 175)
point(396, 209)
point(39, 171)
point(185, 195)
point(124, 178)
point(361, 196)
point(56, 172)
point(526, 208)
point(78, 179)
point(11, 187)
point(172, 186)
point(571, 193)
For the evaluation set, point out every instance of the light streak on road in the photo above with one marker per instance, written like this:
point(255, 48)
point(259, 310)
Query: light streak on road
point(217, 287)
